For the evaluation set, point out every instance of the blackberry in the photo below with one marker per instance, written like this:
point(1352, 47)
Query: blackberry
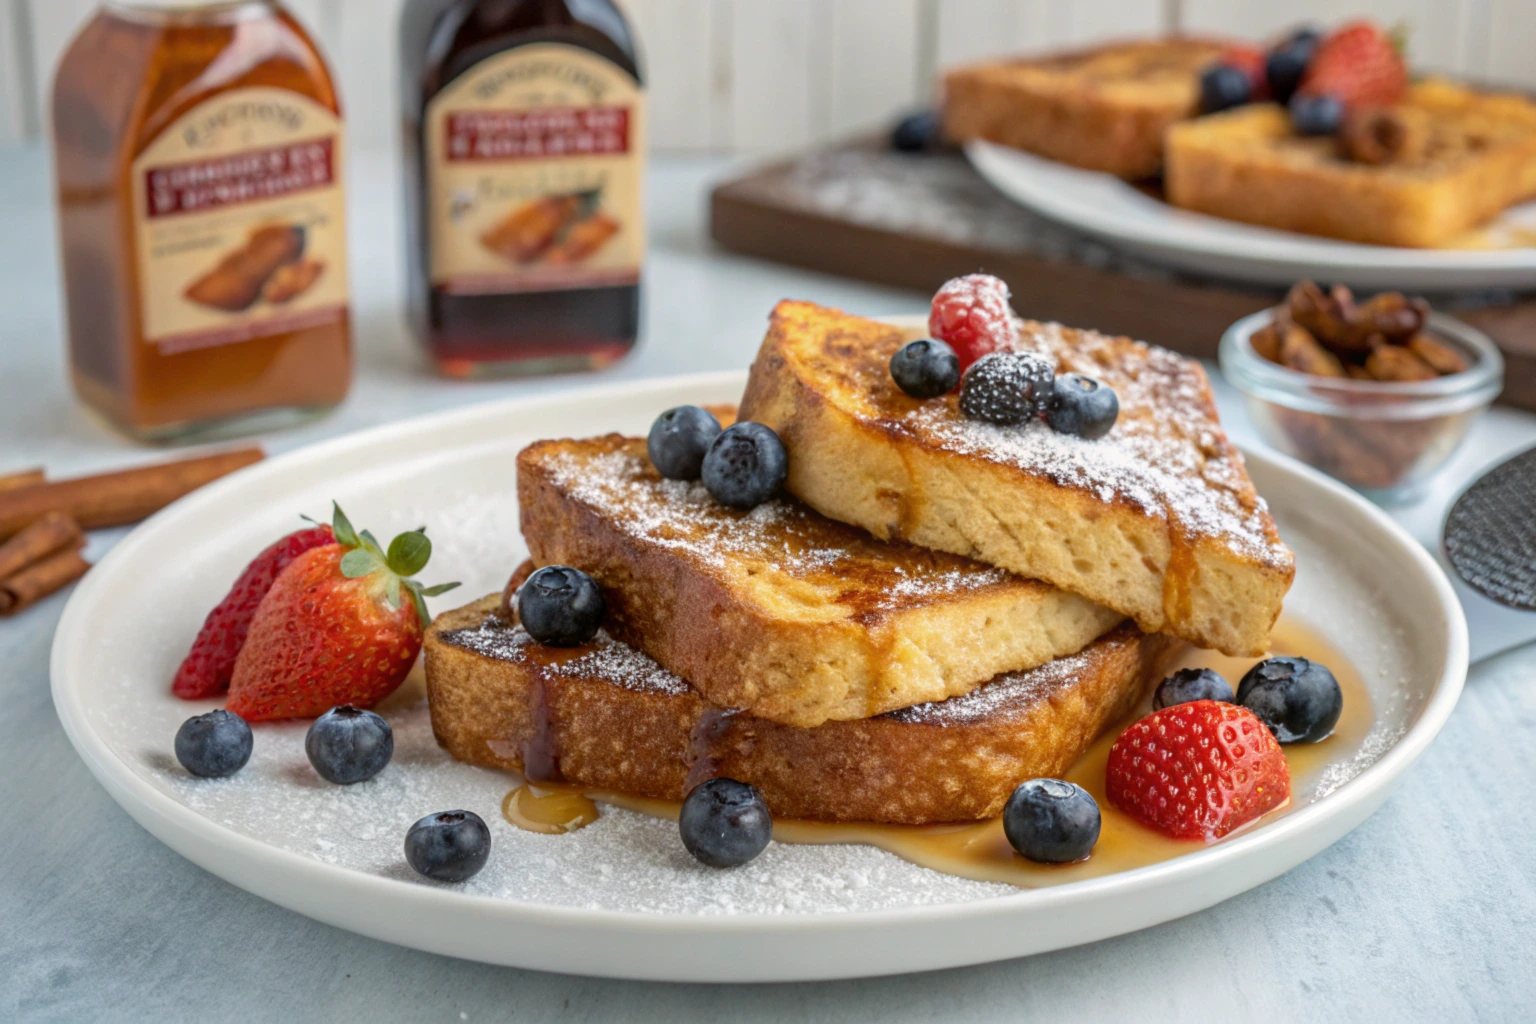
point(1006, 387)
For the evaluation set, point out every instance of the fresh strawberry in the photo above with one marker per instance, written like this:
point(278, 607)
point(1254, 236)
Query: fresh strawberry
point(971, 314)
point(207, 668)
point(1358, 64)
point(1197, 770)
point(1250, 60)
point(342, 624)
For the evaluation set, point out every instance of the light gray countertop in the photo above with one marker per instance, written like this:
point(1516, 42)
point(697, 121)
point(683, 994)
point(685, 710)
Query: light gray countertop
point(1426, 912)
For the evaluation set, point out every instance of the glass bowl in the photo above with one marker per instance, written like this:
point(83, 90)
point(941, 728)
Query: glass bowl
point(1383, 438)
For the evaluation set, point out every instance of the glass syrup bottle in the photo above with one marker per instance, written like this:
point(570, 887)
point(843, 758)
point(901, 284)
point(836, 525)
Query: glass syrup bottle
point(525, 150)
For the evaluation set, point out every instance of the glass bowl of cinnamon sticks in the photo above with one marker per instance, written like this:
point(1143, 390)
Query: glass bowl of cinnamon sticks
point(1377, 393)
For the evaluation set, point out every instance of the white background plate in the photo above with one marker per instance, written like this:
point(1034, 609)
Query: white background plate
point(1109, 208)
point(620, 898)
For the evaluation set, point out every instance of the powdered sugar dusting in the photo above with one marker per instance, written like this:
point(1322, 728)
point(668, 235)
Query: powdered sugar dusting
point(625, 861)
point(615, 479)
point(1167, 455)
point(1012, 692)
point(606, 658)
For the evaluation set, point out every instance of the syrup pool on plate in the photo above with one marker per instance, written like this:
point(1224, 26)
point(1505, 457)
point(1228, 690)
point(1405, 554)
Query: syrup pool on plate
point(979, 850)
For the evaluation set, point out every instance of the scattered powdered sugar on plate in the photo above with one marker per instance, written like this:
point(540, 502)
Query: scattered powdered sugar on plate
point(625, 861)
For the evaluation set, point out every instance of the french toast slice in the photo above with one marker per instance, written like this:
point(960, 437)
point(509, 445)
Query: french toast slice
point(1157, 520)
point(605, 716)
point(1105, 109)
point(778, 610)
point(1473, 156)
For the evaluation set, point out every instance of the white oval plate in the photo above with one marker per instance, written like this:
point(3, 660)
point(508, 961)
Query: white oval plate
point(620, 898)
point(1111, 209)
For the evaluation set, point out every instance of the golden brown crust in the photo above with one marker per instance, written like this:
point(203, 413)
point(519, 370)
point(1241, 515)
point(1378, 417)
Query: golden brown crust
point(1105, 109)
point(613, 719)
point(779, 610)
point(1157, 520)
point(1248, 165)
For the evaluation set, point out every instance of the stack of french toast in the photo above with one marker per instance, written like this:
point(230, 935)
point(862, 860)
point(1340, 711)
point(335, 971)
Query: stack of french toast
point(888, 598)
point(1319, 132)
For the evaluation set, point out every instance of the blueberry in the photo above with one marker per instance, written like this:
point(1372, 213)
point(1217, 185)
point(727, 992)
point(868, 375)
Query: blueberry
point(1287, 63)
point(916, 132)
point(1298, 699)
point(348, 744)
point(560, 606)
point(1051, 821)
point(1006, 387)
point(925, 368)
point(678, 440)
point(213, 745)
point(1189, 684)
point(1222, 87)
point(1082, 406)
point(448, 847)
point(746, 465)
point(725, 823)
point(1316, 115)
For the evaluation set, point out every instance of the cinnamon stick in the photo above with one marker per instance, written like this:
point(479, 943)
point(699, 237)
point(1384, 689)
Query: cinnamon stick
point(40, 579)
point(24, 478)
point(52, 533)
point(113, 499)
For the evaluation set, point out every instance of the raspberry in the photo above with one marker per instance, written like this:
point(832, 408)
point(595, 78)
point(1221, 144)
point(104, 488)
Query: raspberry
point(972, 315)
point(1006, 387)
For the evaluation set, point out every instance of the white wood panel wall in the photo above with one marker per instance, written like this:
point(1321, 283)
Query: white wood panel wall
point(766, 75)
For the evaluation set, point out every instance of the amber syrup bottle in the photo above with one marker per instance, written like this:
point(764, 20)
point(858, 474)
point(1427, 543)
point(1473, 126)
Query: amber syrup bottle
point(525, 147)
point(198, 152)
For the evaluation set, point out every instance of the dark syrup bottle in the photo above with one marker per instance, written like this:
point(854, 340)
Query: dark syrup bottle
point(525, 148)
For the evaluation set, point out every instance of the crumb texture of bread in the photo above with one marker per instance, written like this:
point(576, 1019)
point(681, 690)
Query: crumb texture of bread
point(1157, 520)
point(613, 719)
point(1477, 159)
point(1104, 109)
point(778, 610)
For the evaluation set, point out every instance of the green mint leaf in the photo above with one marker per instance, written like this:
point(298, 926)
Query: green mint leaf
point(439, 588)
point(359, 562)
point(409, 552)
point(341, 526)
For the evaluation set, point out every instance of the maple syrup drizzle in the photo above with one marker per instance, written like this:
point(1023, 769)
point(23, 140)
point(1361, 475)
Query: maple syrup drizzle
point(979, 850)
point(706, 740)
point(549, 809)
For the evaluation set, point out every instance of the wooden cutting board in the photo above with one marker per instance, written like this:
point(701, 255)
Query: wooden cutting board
point(915, 220)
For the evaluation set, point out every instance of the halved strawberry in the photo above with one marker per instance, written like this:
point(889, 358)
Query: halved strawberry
point(342, 624)
point(1360, 65)
point(208, 666)
point(1197, 770)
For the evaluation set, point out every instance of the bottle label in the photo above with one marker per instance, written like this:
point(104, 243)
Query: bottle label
point(240, 221)
point(533, 169)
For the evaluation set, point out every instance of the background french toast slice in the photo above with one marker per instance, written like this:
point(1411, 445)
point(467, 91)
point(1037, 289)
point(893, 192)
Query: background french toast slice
point(1104, 109)
point(1473, 155)
point(778, 610)
point(605, 716)
point(1157, 520)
